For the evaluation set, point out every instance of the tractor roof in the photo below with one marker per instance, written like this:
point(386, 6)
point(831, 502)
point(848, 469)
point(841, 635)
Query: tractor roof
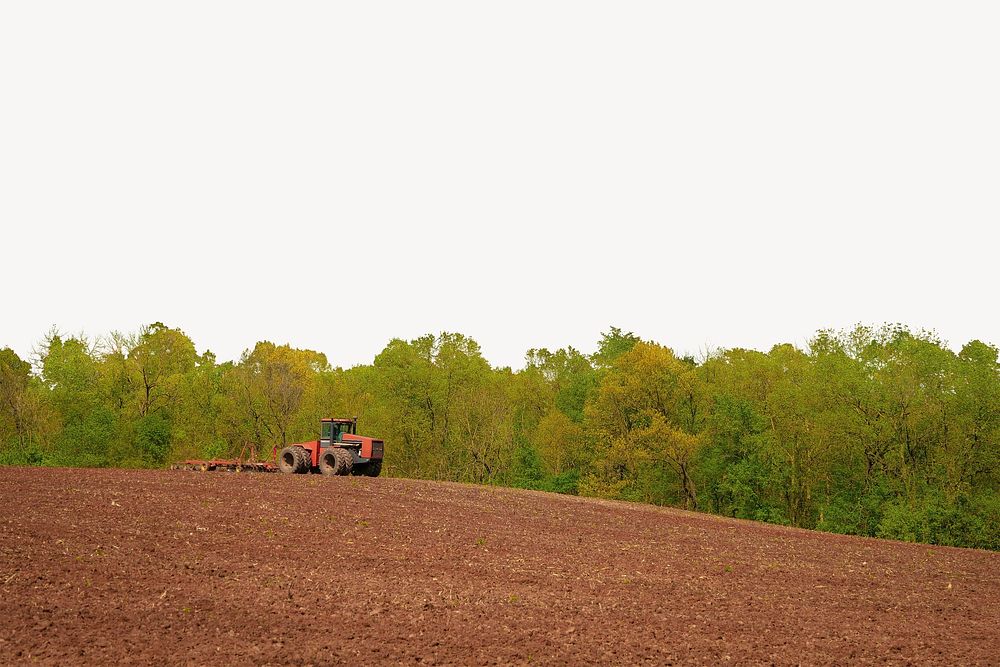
point(339, 420)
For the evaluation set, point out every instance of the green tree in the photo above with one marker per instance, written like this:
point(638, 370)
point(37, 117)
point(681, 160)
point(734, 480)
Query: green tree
point(160, 360)
point(421, 388)
point(613, 344)
point(568, 376)
point(560, 442)
point(24, 417)
point(71, 373)
point(647, 412)
point(274, 382)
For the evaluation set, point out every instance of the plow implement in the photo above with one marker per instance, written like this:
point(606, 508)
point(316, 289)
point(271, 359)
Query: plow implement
point(229, 465)
point(247, 461)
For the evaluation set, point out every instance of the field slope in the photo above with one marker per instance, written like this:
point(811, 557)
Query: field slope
point(106, 566)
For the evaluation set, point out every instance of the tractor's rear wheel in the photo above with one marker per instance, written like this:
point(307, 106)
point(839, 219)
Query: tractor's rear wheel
point(328, 462)
point(304, 461)
point(289, 460)
point(346, 461)
point(374, 468)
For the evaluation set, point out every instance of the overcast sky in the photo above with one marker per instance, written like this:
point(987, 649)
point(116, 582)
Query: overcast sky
point(334, 175)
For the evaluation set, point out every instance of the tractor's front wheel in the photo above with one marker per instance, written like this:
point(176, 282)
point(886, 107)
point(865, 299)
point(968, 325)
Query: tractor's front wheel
point(374, 468)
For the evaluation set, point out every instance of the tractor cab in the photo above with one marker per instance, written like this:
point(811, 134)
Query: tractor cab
point(334, 430)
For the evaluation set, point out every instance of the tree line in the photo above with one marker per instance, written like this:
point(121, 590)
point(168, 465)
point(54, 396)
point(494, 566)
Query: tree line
point(878, 431)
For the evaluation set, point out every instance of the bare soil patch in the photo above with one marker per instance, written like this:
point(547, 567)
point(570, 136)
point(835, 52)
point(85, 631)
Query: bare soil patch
point(169, 567)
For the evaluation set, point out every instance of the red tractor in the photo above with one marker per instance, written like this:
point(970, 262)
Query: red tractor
point(339, 451)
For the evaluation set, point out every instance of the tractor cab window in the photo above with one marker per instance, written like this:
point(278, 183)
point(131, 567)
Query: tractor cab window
point(338, 431)
point(335, 431)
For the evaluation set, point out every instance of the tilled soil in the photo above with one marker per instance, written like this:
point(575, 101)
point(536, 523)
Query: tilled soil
point(169, 567)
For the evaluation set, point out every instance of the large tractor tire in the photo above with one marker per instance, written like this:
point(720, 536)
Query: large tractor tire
point(289, 460)
point(329, 464)
point(346, 461)
point(305, 461)
point(374, 468)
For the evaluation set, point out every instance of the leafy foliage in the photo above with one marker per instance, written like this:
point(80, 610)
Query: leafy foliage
point(873, 431)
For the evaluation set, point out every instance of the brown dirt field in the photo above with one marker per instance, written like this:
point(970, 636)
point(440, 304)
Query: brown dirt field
point(169, 567)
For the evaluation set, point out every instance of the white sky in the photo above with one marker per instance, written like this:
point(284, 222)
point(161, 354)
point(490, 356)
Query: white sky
point(334, 175)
